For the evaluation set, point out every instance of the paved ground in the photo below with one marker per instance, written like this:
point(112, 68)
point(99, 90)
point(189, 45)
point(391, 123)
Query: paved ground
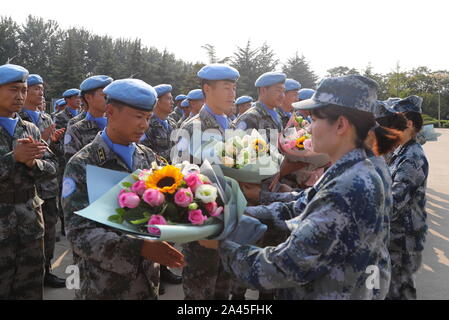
point(432, 279)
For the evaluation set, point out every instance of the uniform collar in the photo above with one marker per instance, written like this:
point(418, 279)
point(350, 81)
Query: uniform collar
point(35, 116)
point(344, 163)
point(9, 124)
point(271, 112)
point(101, 121)
point(222, 120)
point(126, 153)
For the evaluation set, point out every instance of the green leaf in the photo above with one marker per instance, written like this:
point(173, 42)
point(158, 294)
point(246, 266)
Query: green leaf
point(120, 211)
point(141, 221)
point(116, 218)
point(127, 184)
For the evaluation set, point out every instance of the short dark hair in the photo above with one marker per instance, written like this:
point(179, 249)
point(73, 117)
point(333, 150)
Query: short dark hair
point(212, 83)
point(84, 93)
point(120, 105)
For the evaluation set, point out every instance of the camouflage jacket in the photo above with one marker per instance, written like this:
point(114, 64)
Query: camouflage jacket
point(157, 138)
point(191, 134)
point(82, 115)
point(409, 170)
point(110, 262)
point(79, 135)
point(47, 187)
point(62, 118)
point(22, 221)
point(284, 116)
point(176, 115)
point(336, 237)
point(257, 118)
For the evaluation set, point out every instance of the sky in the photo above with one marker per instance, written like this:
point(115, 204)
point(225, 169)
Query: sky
point(328, 33)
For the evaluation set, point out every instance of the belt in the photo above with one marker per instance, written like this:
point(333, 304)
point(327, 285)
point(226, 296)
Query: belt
point(17, 197)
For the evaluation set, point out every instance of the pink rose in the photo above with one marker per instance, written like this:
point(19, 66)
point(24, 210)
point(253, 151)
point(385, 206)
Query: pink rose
point(156, 220)
point(211, 206)
point(139, 187)
point(308, 144)
point(193, 181)
point(153, 197)
point(197, 217)
point(300, 133)
point(184, 197)
point(290, 144)
point(128, 200)
point(217, 212)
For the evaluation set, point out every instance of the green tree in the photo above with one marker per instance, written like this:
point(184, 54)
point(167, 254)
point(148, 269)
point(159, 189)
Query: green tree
point(341, 71)
point(298, 68)
point(9, 40)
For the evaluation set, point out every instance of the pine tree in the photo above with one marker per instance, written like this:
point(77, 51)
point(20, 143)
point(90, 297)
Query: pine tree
point(298, 68)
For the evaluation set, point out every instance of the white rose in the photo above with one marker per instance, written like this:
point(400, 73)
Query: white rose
point(206, 193)
point(228, 161)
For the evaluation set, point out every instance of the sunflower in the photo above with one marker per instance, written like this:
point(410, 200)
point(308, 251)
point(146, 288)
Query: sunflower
point(300, 142)
point(166, 180)
point(259, 145)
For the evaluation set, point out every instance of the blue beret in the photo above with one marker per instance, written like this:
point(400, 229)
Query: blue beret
point(132, 92)
point(180, 97)
point(243, 99)
point(71, 92)
point(218, 71)
point(352, 91)
point(292, 85)
point(270, 78)
point(34, 79)
point(12, 73)
point(391, 101)
point(411, 103)
point(163, 89)
point(196, 94)
point(61, 102)
point(185, 103)
point(305, 94)
point(95, 82)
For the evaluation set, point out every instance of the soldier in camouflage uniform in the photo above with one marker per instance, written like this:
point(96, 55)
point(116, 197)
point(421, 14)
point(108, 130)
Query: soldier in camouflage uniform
point(61, 120)
point(409, 170)
point(84, 131)
point(59, 106)
point(203, 276)
point(157, 137)
point(25, 160)
point(291, 96)
point(339, 228)
point(178, 113)
point(185, 105)
point(243, 104)
point(263, 114)
point(196, 101)
point(114, 265)
point(47, 188)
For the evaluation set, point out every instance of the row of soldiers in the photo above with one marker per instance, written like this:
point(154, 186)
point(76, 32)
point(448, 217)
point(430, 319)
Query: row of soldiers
point(323, 240)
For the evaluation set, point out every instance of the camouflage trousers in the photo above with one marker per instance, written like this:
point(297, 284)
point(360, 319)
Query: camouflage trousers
point(403, 269)
point(22, 270)
point(203, 277)
point(50, 213)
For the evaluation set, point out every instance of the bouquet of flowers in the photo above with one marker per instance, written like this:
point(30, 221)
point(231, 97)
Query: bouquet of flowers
point(177, 203)
point(246, 158)
point(168, 195)
point(295, 142)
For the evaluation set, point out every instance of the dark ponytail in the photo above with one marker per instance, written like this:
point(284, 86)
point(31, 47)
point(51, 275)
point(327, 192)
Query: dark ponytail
point(386, 140)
